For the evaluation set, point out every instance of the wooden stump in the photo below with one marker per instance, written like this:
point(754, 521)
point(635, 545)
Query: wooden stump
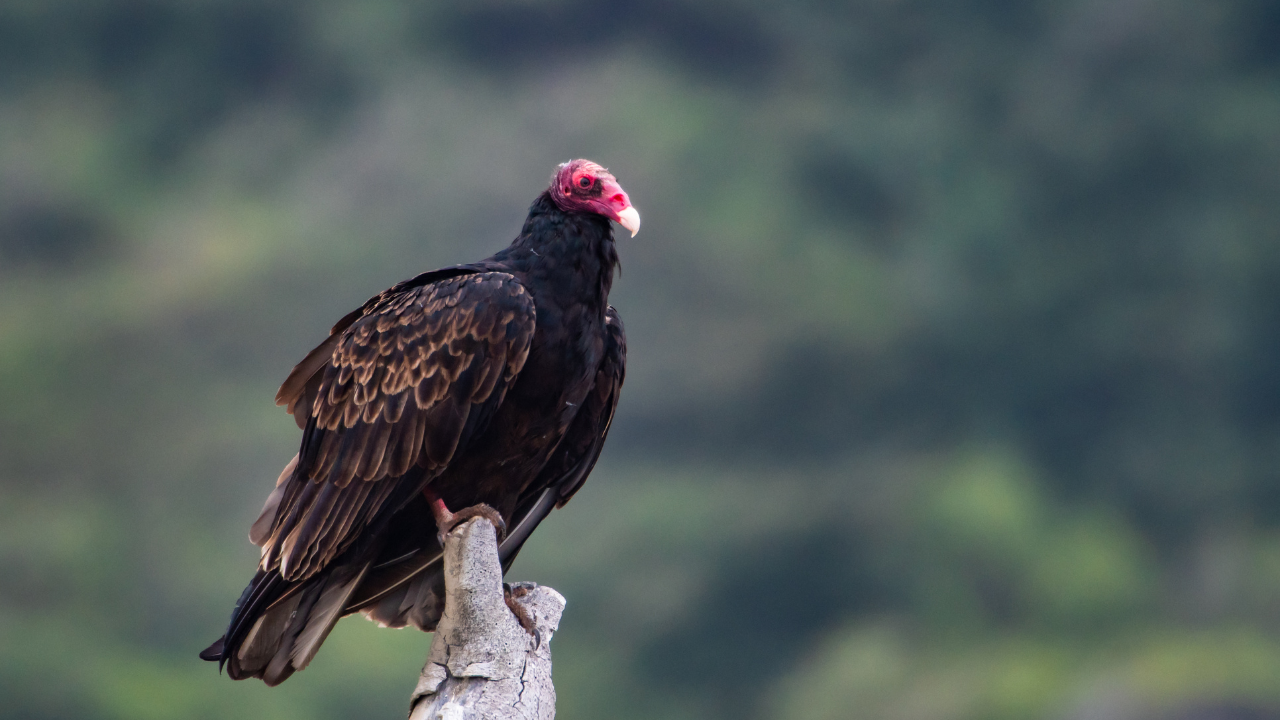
point(483, 664)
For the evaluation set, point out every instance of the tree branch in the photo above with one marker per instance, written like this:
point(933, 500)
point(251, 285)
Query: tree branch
point(483, 664)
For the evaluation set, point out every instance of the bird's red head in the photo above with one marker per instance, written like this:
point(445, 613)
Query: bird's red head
point(583, 186)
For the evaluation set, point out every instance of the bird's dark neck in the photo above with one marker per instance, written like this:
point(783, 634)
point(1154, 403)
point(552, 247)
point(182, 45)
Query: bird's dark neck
point(569, 251)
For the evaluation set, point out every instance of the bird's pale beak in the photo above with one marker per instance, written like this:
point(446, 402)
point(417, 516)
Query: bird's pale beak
point(617, 205)
point(629, 219)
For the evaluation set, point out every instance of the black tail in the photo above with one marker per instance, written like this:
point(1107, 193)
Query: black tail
point(277, 630)
point(256, 598)
point(278, 626)
point(214, 651)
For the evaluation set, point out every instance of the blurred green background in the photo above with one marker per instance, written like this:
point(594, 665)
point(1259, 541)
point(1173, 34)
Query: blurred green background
point(954, 375)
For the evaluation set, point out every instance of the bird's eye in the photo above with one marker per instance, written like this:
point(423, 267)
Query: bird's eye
point(585, 182)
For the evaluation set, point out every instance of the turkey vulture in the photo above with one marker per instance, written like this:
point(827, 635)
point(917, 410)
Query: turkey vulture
point(489, 384)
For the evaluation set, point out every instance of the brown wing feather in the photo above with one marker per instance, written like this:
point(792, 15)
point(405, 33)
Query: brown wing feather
point(394, 393)
point(300, 388)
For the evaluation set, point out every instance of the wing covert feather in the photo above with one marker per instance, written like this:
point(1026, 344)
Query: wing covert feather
point(390, 403)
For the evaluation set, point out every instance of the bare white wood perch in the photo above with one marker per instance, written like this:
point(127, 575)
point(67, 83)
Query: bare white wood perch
point(483, 665)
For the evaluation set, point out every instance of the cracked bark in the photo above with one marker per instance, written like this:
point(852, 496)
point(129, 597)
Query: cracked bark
point(483, 665)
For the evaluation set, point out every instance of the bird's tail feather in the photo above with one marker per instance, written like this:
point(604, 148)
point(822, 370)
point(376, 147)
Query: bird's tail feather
point(286, 636)
point(325, 614)
point(417, 599)
point(277, 628)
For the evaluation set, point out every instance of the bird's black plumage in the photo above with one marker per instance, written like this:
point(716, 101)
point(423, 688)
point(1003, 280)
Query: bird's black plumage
point(493, 382)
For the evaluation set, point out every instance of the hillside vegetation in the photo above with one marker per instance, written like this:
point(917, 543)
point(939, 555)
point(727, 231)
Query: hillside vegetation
point(954, 327)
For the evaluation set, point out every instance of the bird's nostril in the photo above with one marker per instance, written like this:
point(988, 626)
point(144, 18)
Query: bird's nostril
point(619, 198)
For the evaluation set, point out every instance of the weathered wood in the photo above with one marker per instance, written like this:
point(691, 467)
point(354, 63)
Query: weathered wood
point(483, 664)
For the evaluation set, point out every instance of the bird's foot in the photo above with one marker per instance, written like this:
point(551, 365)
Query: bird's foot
point(483, 511)
point(446, 521)
point(510, 594)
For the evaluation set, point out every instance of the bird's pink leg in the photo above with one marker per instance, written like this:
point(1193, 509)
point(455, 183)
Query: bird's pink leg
point(438, 508)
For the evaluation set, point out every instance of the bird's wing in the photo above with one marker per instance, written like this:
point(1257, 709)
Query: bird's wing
point(578, 451)
point(388, 399)
point(406, 591)
point(406, 383)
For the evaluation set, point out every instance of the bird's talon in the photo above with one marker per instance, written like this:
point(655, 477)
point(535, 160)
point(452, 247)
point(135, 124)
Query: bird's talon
point(446, 521)
point(509, 594)
point(474, 511)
